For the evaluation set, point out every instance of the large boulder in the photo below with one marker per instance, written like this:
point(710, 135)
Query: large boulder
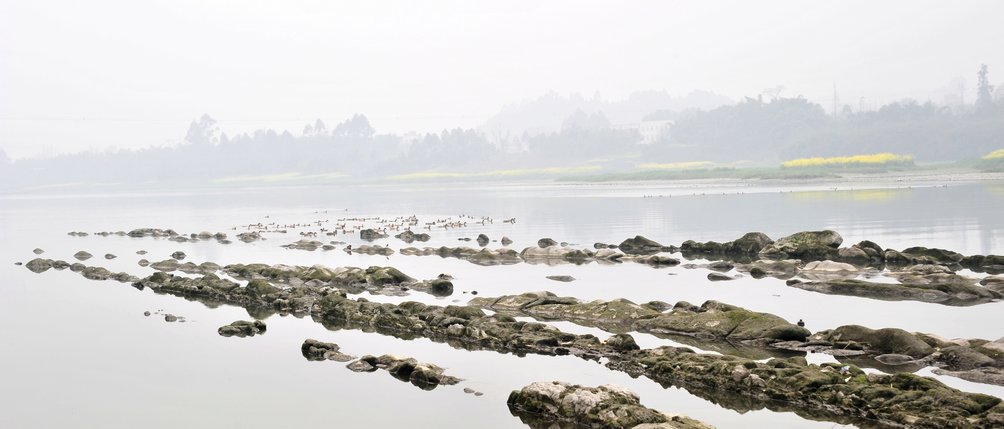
point(716, 320)
point(805, 245)
point(880, 341)
point(640, 246)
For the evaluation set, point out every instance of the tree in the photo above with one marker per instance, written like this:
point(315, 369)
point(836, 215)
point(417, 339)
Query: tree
point(356, 126)
point(203, 131)
point(984, 91)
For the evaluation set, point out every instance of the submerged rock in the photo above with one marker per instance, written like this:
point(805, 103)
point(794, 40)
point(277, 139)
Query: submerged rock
point(82, 255)
point(242, 328)
point(565, 279)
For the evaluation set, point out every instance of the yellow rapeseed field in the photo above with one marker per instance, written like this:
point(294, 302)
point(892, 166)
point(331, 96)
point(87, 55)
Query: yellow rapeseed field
point(848, 161)
point(997, 154)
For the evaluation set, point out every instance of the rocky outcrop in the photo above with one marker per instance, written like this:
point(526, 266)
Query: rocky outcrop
point(745, 247)
point(372, 234)
point(409, 237)
point(641, 246)
point(375, 280)
point(249, 237)
point(314, 350)
point(954, 294)
point(719, 321)
point(304, 244)
point(834, 392)
point(614, 316)
point(425, 376)
point(152, 232)
point(485, 257)
point(242, 328)
point(542, 404)
point(806, 245)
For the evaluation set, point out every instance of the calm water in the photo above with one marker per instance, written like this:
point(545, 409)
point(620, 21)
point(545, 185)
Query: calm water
point(80, 353)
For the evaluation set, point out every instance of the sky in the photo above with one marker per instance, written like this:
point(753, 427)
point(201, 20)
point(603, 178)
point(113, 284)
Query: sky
point(105, 74)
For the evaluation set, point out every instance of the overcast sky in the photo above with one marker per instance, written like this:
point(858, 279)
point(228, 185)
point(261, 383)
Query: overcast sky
point(83, 75)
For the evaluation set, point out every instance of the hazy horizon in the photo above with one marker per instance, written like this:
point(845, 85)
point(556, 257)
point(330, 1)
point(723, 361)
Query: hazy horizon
point(80, 77)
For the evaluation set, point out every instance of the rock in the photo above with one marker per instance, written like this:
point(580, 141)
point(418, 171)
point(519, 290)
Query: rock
point(165, 265)
point(141, 252)
point(39, 265)
point(305, 244)
point(960, 358)
point(993, 264)
point(561, 278)
point(806, 245)
point(544, 243)
point(717, 277)
point(179, 255)
point(783, 269)
point(361, 366)
point(82, 255)
point(553, 254)
point(371, 234)
point(143, 263)
point(248, 237)
point(109, 256)
point(242, 328)
point(38, 251)
point(746, 246)
point(314, 350)
point(422, 375)
point(408, 236)
point(505, 241)
point(146, 313)
point(605, 406)
point(718, 320)
point(259, 287)
point(938, 256)
point(483, 240)
point(895, 359)
point(640, 246)
point(170, 318)
point(955, 294)
point(882, 341)
point(827, 266)
point(622, 342)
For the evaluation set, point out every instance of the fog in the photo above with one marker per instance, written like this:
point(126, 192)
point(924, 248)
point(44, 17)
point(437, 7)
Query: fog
point(114, 74)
